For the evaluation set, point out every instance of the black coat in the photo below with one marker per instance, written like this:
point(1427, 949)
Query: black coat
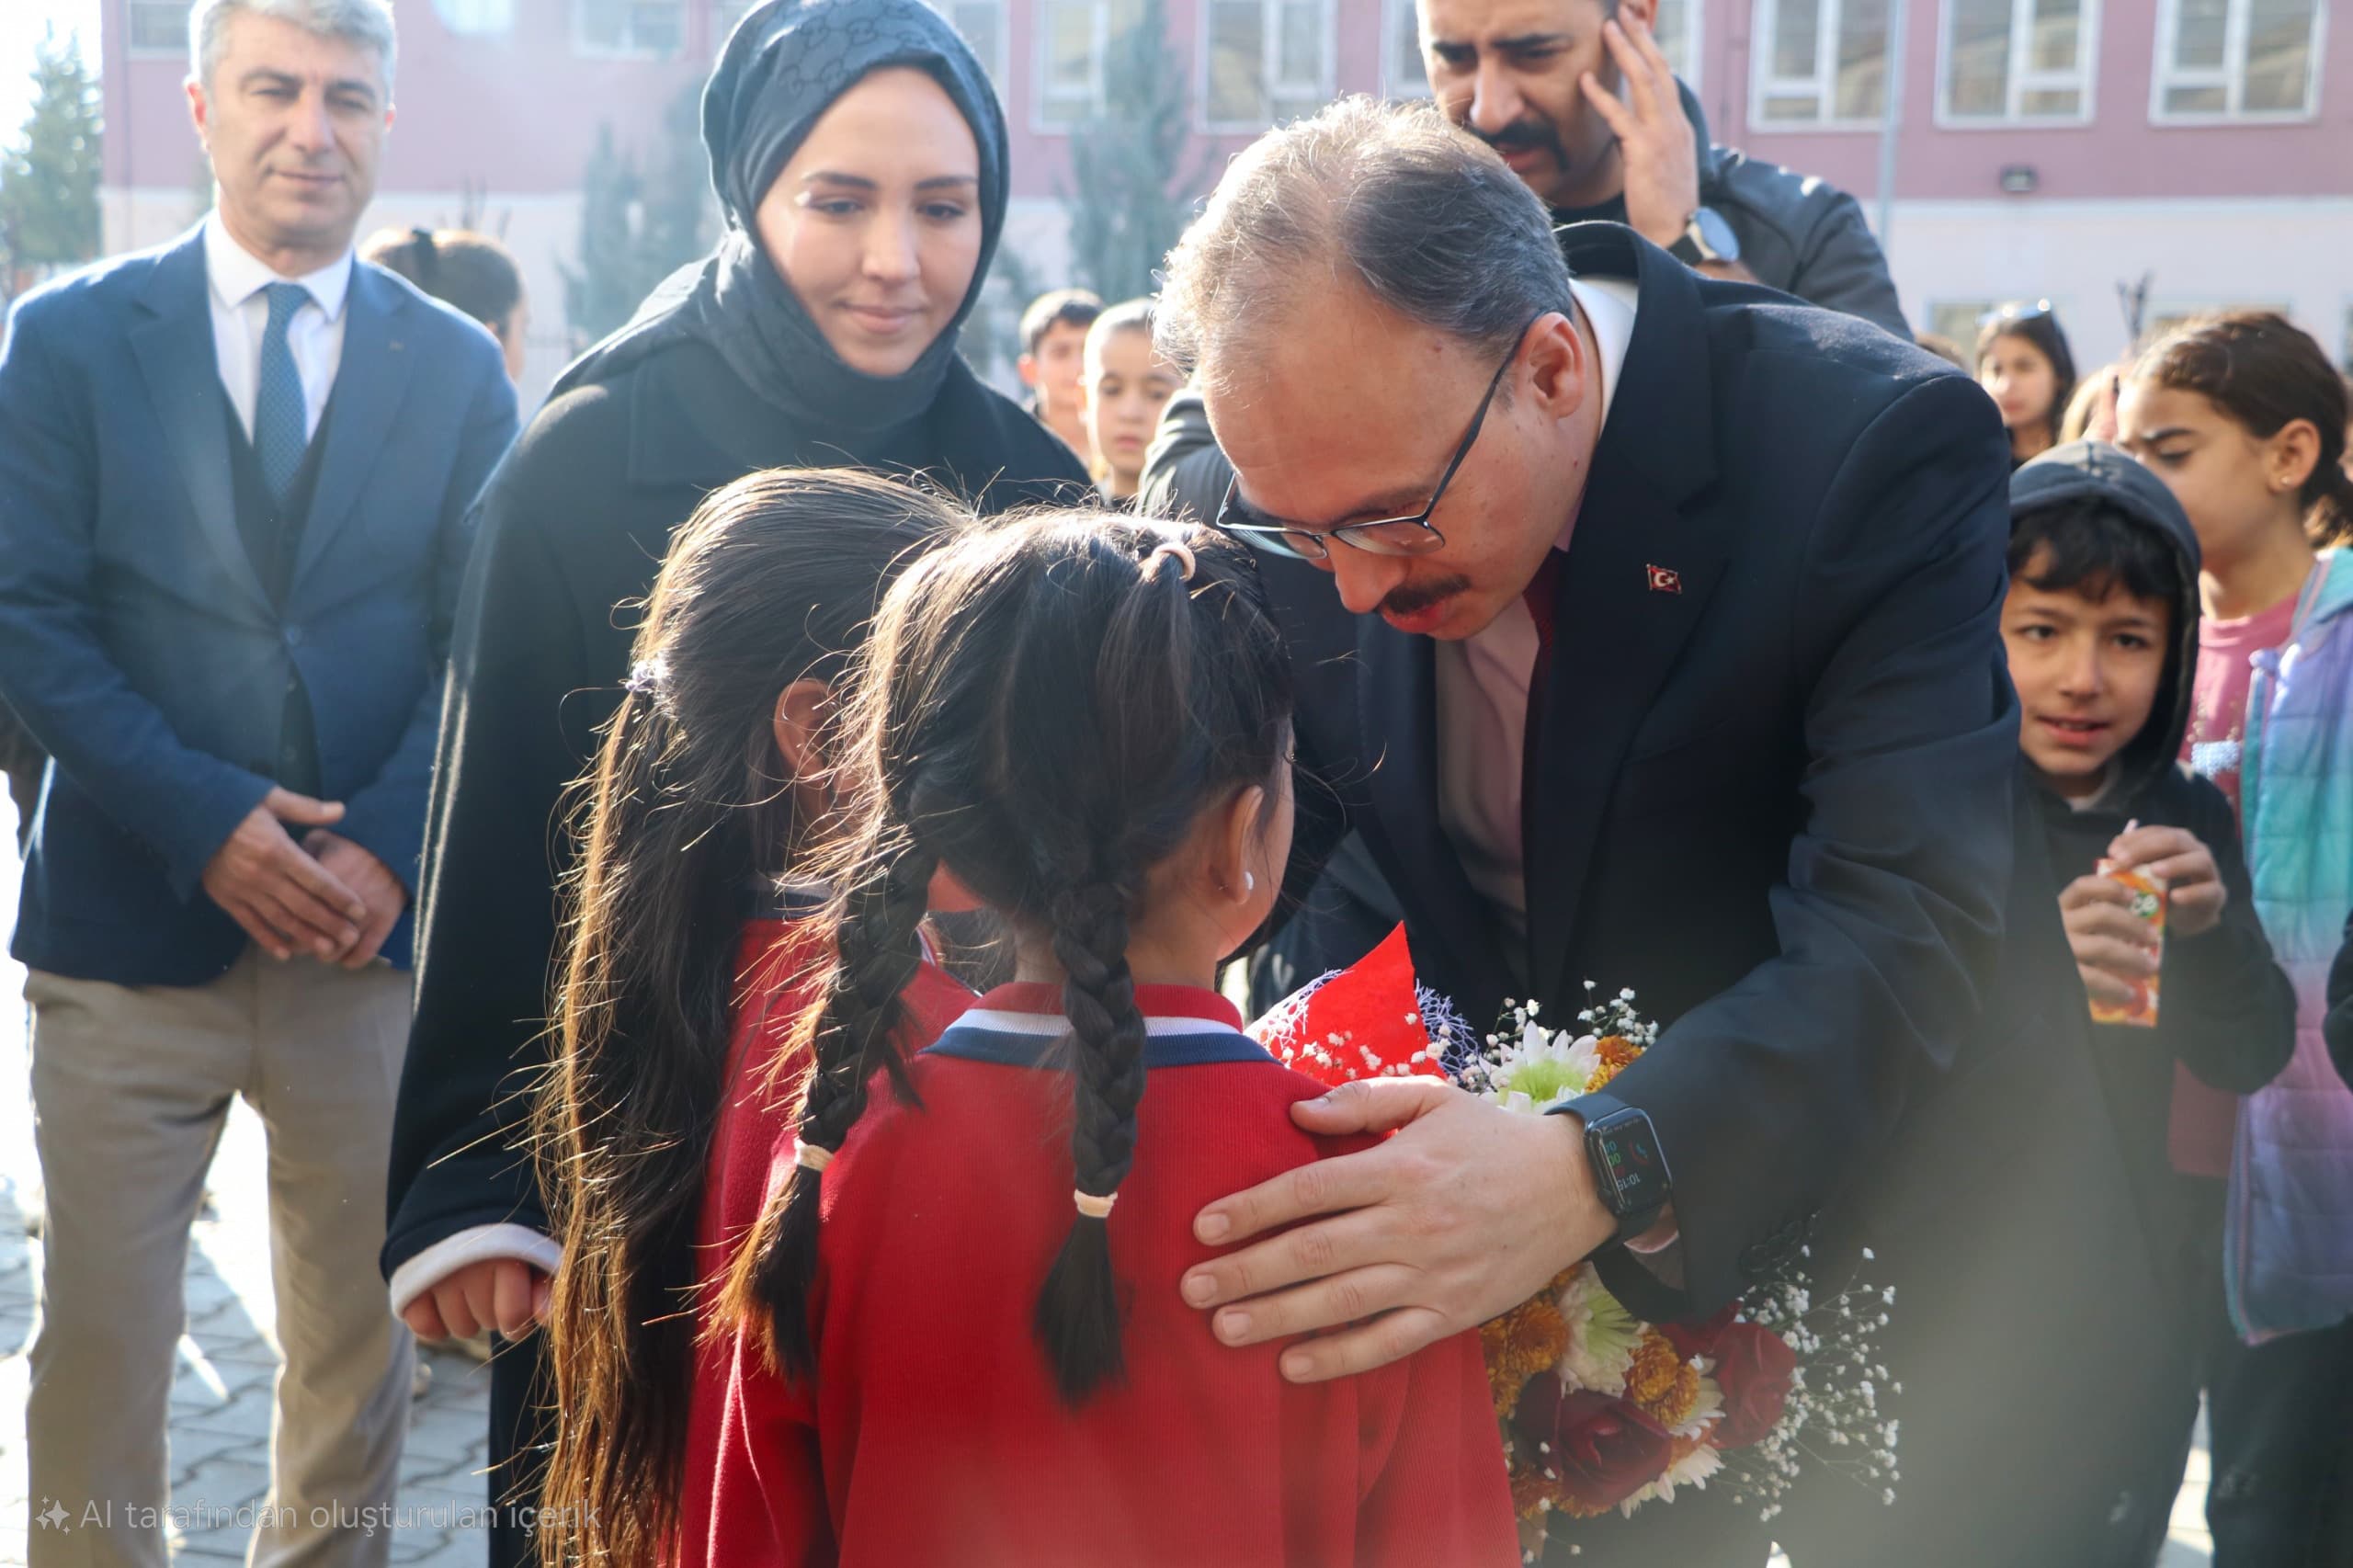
point(574, 526)
point(1785, 805)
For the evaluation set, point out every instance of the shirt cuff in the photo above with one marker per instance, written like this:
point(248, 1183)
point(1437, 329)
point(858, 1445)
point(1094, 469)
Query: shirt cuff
point(450, 1253)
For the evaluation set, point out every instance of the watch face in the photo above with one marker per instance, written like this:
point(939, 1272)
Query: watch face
point(1628, 1164)
point(1718, 233)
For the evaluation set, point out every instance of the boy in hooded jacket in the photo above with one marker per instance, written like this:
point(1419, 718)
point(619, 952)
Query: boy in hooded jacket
point(2101, 626)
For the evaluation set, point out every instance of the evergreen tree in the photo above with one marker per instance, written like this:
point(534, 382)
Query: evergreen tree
point(49, 181)
point(634, 232)
point(1133, 198)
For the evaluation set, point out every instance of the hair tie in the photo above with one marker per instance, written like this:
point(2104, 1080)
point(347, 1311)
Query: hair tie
point(810, 1157)
point(1095, 1207)
point(1177, 548)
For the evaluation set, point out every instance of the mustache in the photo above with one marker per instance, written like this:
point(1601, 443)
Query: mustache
point(1524, 136)
point(1410, 599)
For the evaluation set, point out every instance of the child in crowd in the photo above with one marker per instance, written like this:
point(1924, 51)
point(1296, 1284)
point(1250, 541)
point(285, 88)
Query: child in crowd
point(473, 272)
point(1053, 342)
point(2243, 418)
point(1125, 384)
point(2101, 626)
point(1086, 721)
point(689, 958)
point(2026, 367)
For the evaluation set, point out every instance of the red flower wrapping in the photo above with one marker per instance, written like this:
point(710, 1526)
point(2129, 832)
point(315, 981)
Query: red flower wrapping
point(1753, 1367)
point(1600, 1451)
point(1367, 1018)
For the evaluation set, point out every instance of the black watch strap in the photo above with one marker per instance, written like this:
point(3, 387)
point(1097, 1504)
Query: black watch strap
point(1686, 249)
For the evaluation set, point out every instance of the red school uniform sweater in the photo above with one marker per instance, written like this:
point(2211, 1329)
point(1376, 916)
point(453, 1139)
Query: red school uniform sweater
point(779, 963)
point(932, 1432)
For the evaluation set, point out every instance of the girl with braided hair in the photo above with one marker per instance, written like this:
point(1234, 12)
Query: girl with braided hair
point(968, 1269)
point(689, 956)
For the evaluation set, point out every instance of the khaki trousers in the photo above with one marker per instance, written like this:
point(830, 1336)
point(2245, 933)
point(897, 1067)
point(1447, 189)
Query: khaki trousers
point(130, 1085)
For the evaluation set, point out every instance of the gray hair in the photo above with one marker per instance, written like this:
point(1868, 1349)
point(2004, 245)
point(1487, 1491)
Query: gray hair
point(367, 23)
point(1423, 216)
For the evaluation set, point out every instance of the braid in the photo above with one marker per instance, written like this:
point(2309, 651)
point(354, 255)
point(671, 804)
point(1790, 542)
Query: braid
point(878, 950)
point(1077, 1316)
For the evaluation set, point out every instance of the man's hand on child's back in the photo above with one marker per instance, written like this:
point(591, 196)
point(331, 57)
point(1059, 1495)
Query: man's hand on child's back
point(2194, 890)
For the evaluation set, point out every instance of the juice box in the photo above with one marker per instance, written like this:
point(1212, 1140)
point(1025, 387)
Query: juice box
point(2149, 906)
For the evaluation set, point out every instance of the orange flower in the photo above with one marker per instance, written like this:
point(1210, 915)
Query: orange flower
point(1530, 1493)
point(1520, 1343)
point(1616, 1053)
point(1672, 1407)
point(1652, 1380)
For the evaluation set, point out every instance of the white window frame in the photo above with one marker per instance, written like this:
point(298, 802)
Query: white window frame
point(132, 47)
point(1042, 92)
point(2022, 77)
point(1822, 84)
point(586, 50)
point(1393, 12)
point(1270, 47)
point(1694, 41)
point(1004, 9)
point(2232, 76)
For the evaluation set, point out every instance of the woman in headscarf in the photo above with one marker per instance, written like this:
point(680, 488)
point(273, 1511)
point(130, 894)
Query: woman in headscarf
point(859, 157)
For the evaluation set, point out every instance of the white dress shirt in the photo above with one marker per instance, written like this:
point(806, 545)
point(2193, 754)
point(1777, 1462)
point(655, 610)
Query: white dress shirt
point(241, 315)
point(1484, 679)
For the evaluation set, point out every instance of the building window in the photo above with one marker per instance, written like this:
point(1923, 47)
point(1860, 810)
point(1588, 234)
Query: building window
point(1264, 61)
point(982, 25)
point(2236, 59)
point(1073, 38)
point(157, 27)
point(1960, 319)
point(2007, 60)
point(476, 18)
point(1819, 63)
point(630, 27)
point(1404, 74)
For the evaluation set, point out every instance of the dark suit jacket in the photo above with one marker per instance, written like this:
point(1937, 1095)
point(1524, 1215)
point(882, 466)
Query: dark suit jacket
point(1777, 803)
point(136, 639)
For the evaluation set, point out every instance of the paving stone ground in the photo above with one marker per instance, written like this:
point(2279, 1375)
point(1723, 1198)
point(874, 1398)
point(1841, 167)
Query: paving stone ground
point(221, 1397)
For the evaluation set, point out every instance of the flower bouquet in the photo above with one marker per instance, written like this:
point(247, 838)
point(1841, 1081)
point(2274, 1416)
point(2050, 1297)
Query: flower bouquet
point(1600, 1410)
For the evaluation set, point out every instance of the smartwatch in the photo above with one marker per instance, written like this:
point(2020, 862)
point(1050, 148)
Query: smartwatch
point(1707, 237)
point(1629, 1167)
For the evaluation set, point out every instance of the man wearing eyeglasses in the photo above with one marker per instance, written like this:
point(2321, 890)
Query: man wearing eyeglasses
point(1645, 626)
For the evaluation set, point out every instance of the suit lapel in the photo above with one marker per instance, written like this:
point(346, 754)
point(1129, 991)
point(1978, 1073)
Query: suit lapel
point(1397, 714)
point(370, 386)
point(181, 365)
point(1619, 624)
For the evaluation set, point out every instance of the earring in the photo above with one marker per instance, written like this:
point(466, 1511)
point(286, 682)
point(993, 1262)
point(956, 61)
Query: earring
point(1249, 883)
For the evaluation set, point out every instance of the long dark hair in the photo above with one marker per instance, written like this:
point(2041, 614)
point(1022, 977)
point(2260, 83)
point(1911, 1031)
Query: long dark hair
point(2260, 370)
point(2034, 323)
point(1045, 709)
point(772, 580)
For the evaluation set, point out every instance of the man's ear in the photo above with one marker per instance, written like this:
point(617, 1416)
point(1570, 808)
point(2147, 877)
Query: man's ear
point(197, 109)
point(1027, 368)
point(1556, 361)
point(798, 725)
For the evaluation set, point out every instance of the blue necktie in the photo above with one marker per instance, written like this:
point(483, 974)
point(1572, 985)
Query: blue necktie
point(282, 421)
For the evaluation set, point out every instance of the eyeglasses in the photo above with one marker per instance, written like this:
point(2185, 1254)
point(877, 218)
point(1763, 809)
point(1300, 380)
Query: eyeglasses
point(1375, 536)
point(2016, 310)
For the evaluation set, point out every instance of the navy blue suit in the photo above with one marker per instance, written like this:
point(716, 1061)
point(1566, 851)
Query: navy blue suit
point(138, 641)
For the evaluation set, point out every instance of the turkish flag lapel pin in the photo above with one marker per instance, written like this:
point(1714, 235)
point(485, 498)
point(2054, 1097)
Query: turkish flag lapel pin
point(1665, 579)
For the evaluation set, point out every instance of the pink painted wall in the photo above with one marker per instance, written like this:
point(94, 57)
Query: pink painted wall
point(2118, 154)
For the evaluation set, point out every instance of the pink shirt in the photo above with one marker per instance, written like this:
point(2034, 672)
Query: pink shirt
point(2205, 1119)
